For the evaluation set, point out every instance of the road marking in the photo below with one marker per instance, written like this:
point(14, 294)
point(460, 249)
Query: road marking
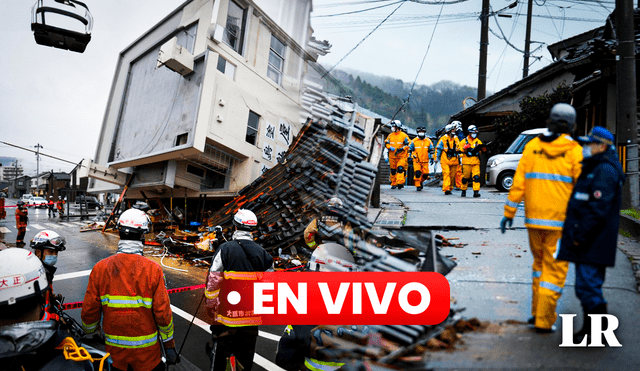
point(5, 230)
point(258, 359)
point(68, 225)
point(50, 225)
point(37, 226)
point(81, 224)
point(66, 276)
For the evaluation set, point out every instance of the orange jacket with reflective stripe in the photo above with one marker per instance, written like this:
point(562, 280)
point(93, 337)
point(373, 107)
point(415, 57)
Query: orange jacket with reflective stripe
point(545, 178)
point(130, 292)
point(469, 143)
point(21, 217)
point(398, 140)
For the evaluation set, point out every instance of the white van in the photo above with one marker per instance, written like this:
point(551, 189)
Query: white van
point(501, 168)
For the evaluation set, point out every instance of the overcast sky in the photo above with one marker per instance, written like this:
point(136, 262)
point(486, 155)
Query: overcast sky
point(57, 98)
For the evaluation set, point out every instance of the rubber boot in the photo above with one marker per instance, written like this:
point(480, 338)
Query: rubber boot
point(463, 194)
point(476, 193)
point(418, 189)
point(447, 193)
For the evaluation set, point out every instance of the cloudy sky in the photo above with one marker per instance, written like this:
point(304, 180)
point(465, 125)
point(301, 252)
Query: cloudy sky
point(57, 98)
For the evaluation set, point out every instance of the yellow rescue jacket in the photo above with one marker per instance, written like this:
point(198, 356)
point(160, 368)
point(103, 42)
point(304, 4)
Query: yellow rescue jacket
point(545, 178)
point(421, 149)
point(447, 150)
point(399, 141)
point(464, 146)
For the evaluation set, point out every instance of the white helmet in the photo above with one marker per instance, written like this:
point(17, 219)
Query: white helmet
point(245, 220)
point(449, 127)
point(472, 129)
point(134, 221)
point(48, 240)
point(22, 274)
point(331, 257)
point(456, 125)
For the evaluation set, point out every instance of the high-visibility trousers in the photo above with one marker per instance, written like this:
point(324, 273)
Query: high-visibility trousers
point(420, 171)
point(398, 167)
point(469, 172)
point(448, 175)
point(548, 275)
point(459, 177)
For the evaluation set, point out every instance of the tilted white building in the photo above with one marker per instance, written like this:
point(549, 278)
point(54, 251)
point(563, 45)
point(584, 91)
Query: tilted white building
point(206, 100)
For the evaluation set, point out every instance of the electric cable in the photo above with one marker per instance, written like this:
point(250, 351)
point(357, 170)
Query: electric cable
point(361, 41)
point(357, 11)
point(421, 64)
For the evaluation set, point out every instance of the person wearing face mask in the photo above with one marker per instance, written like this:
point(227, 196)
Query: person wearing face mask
point(470, 148)
point(421, 148)
point(398, 144)
point(546, 174)
point(447, 153)
point(590, 234)
point(46, 245)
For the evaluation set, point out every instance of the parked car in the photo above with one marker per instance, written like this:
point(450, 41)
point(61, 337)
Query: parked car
point(502, 167)
point(26, 197)
point(92, 202)
point(38, 202)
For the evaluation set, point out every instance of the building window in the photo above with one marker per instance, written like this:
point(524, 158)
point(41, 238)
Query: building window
point(225, 67)
point(234, 31)
point(252, 128)
point(276, 60)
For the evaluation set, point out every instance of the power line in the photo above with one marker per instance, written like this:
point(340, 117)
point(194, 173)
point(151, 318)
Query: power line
point(356, 11)
point(361, 41)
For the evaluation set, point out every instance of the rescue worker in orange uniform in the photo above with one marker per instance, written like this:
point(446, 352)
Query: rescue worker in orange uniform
point(128, 292)
point(470, 152)
point(398, 145)
point(548, 170)
point(447, 154)
point(421, 151)
point(46, 245)
point(238, 259)
point(22, 217)
point(60, 205)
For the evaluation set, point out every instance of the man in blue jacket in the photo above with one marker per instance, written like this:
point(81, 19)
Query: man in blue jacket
point(590, 233)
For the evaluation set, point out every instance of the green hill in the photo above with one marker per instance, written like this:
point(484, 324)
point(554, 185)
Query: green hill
point(431, 105)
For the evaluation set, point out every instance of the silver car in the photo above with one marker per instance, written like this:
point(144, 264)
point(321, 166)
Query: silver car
point(501, 168)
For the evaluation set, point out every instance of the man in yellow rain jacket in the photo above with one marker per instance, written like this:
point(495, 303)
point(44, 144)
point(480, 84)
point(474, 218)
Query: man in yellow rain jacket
point(548, 170)
point(470, 148)
point(447, 153)
point(421, 150)
point(398, 145)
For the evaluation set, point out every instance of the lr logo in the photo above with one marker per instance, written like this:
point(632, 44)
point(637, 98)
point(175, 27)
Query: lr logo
point(596, 331)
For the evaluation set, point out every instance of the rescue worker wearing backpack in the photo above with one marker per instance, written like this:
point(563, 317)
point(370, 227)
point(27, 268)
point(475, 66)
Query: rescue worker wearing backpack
point(28, 342)
point(46, 245)
point(237, 259)
point(421, 151)
point(460, 135)
point(470, 152)
point(544, 179)
point(447, 154)
point(127, 291)
point(398, 145)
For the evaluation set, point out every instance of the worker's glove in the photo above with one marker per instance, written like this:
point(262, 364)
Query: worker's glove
point(392, 149)
point(172, 356)
point(504, 222)
point(399, 151)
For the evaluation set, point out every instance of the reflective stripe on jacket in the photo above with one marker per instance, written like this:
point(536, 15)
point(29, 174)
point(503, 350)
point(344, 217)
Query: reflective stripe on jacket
point(397, 140)
point(421, 149)
point(472, 143)
point(544, 178)
point(129, 291)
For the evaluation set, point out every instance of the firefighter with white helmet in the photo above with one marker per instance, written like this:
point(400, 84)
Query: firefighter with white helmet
point(398, 145)
point(447, 154)
point(470, 151)
point(421, 151)
point(128, 288)
point(26, 341)
point(237, 259)
point(546, 173)
point(22, 218)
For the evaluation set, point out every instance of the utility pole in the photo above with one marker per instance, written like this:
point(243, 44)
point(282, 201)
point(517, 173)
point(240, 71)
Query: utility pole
point(527, 40)
point(37, 147)
point(484, 43)
point(15, 178)
point(626, 127)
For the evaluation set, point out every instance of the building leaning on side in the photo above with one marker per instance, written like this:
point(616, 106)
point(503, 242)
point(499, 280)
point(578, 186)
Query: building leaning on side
point(207, 100)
